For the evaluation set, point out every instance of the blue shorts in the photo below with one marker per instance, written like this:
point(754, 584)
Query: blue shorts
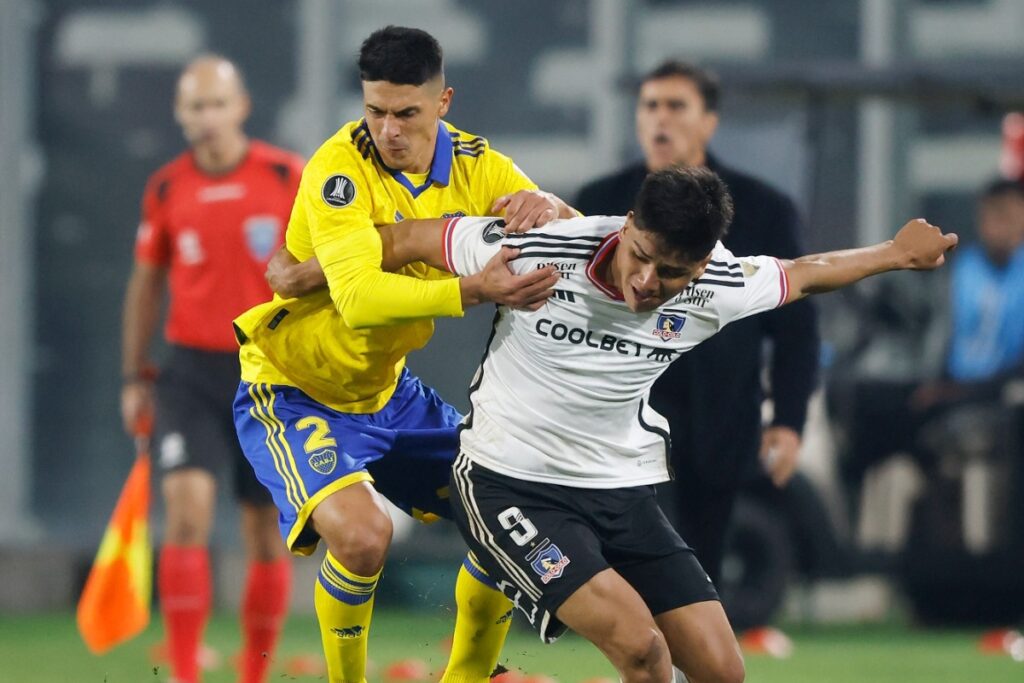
point(303, 451)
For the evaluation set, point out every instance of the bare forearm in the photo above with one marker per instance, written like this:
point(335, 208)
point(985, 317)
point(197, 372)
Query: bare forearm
point(411, 241)
point(832, 270)
point(917, 246)
point(423, 240)
point(140, 316)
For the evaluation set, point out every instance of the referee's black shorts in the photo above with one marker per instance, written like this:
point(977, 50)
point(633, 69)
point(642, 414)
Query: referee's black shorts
point(541, 542)
point(194, 424)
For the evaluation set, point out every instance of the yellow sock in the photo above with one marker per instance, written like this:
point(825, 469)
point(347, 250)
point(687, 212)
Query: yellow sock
point(344, 604)
point(481, 624)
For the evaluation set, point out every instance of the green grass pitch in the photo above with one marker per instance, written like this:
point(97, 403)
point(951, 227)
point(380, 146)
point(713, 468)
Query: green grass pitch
point(46, 649)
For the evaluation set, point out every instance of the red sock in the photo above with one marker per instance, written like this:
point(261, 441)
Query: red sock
point(264, 606)
point(185, 586)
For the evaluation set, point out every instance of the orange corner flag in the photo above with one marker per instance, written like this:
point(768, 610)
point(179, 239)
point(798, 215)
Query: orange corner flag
point(114, 606)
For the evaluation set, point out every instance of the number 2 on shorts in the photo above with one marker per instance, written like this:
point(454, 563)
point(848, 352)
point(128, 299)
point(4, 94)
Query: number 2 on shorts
point(320, 438)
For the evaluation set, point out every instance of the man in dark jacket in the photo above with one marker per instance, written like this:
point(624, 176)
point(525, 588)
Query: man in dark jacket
point(712, 395)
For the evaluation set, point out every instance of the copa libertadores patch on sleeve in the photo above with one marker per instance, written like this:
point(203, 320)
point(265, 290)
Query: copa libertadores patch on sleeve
point(338, 191)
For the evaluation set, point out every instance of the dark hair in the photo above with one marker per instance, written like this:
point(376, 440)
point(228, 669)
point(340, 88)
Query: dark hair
point(396, 54)
point(706, 81)
point(1000, 187)
point(688, 208)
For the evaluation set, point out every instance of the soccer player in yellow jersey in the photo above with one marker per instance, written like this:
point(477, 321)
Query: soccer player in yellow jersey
point(326, 412)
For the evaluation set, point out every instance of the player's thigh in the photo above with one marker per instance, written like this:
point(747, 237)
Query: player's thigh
point(260, 534)
point(303, 452)
point(190, 445)
point(702, 642)
point(532, 545)
point(608, 612)
point(641, 544)
point(187, 433)
point(414, 473)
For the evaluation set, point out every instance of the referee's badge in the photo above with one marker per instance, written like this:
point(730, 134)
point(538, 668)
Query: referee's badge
point(262, 234)
point(323, 461)
point(550, 563)
point(669, 327)
point(338, 191)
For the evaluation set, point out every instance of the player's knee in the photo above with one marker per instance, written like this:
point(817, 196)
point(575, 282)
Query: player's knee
point(185, 530)
point(728, 669)
point(361, 545)
point(643, 657)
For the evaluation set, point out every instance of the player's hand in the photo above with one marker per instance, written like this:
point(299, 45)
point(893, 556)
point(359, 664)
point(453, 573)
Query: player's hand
point(780, 451)
point(289, 278)
point(136, 403)
point(526, 209)
point(497, 283)
point(922, 246)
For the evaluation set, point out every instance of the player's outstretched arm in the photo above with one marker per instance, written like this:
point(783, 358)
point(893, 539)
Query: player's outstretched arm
point(423, 240)
point(917, 246)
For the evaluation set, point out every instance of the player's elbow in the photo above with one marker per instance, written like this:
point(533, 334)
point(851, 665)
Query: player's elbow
point(360, 317)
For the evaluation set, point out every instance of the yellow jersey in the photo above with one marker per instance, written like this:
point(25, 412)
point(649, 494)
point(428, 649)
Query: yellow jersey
point(346, 346)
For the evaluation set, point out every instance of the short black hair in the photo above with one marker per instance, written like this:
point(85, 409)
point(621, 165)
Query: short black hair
point(706, 81)
point(1000, 187)
point(688, 208)
point(396, 54)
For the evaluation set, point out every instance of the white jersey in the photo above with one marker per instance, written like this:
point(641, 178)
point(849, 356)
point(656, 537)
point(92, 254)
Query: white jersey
point(561, 395)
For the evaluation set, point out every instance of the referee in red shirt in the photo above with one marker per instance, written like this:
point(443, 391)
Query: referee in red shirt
point(211, 219)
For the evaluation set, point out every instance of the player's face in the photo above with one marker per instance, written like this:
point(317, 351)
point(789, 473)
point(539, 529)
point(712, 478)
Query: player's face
point(672, 124)
point(1001, 226)
point(647, 273)
point(211, 104)
point(403, 121)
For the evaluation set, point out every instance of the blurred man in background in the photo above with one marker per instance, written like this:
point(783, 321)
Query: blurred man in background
point(984, 353)
point(327, 412)
point(211, 219)
point(712, 396)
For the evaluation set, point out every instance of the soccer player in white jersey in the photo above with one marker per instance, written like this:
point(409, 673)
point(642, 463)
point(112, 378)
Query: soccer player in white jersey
point(553, 488)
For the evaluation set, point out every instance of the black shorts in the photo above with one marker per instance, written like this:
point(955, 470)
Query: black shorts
point(541, 542)
point(194, 424)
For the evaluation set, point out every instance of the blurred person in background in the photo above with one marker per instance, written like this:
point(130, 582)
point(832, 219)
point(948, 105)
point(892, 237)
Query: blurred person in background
point(712, 396)
point(211, 219)
point(326, 411)
point(985, 349)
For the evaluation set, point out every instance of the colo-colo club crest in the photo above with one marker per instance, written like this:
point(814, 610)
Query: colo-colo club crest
point(669, 327)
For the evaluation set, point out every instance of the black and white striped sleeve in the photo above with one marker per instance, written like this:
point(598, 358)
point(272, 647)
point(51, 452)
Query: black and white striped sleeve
point(754, 284)
point(470, 242)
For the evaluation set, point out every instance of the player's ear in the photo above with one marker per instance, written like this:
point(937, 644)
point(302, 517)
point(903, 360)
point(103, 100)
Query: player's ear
point(709, 125)
point(699, 270)
point(245, 104)
point(627, 224)
point(446, 101)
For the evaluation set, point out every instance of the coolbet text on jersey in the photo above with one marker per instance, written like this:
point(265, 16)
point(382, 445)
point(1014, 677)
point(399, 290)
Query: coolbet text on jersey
point(346, 347)
point(562, 394)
